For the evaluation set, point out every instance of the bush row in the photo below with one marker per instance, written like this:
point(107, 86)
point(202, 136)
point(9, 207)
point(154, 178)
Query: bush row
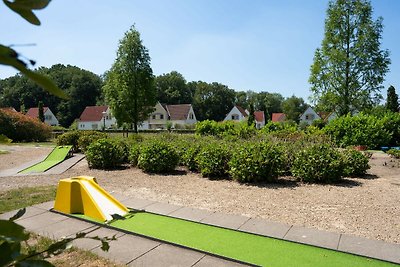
point(79, 140)
point(246, 162)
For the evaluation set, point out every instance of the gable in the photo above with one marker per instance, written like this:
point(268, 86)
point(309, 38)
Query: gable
point(93, 113)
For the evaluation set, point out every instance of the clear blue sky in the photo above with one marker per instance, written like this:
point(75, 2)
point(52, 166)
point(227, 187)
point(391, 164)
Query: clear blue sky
point(259, 45)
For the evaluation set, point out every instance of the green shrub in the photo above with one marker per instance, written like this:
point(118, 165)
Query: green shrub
point(360, 129)
point(69, 138)
point(213, 160)
point(319, 123)
point(134, 153)
point(391, 122)
point(355, 163)
point(207, 127)
point(105, 154)
point(20, 127)
point(158, 157)
point(256, 163)
point(189, 157)
point(318, 163)
point(88, 137)
point(394, 153)
point(4, 139)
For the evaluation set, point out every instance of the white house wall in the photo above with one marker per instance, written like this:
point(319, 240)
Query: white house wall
point(50, 119)
point(234, 111)
point(309, 116)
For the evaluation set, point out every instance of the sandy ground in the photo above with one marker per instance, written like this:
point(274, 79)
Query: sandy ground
point(367, 207)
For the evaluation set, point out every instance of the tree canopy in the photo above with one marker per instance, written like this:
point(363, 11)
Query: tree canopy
point(392, 100)
point(129, 86)
point(293, 107)
point(349, 67)
point(172, 89)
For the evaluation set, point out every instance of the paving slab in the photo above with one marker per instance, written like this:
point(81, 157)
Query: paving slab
point(36, 222)
point(127, 248)
point(370, 248)
point(210, 261)
point(162, 208)
point(137, 203)
point(168, 255)
point(226, 220)
point(267, 228)
point(65, 228)
point(313, 237)
point(64, 165)
point(14, 171)
point(191, 214)
point(89, 244)
point(45, 205)
point(29, 212)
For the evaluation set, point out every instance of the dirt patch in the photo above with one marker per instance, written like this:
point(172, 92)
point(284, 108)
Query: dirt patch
point(367, 207)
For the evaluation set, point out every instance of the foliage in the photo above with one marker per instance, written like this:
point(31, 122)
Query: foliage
point(20, 127)
point(213, 160)
point(129, 87)
point(158, 157)
point(40, 111)
point(293, 107)
point(392, 100)
point(361, 129)
point(134, 153)
point(4, 139)
point(211, 101)
point(105, 154)
point(69, 138)
point(394, 153)
point(318, 163)
point(251, 120)
point(260, 162)
point(355, 163)
point(391, 122)
point(172, 89)
point(349, 68)
point(88, 137)
point(319, 123)
point(189, 157)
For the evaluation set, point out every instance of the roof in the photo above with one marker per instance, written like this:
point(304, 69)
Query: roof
point(276, 117)
point(34, 112)
point(93, 113)
point(178, 112)
point(259, 116)
point(242, 110)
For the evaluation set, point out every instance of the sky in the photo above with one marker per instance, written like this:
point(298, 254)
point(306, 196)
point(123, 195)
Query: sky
point(258, 45)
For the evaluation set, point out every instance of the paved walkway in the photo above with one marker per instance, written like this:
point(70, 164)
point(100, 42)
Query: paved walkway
point(138, 251)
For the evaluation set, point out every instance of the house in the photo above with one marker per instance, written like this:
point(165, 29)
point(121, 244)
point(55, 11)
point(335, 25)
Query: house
point(177, 115)
point(237, 113)
point(49, 117)
point(96, 118)
point(328, 116)
point(309, 116)
point(260, 119)
point(278, 117)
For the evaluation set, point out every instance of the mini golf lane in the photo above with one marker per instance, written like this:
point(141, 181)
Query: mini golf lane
point(56, 156)
point(241, 246)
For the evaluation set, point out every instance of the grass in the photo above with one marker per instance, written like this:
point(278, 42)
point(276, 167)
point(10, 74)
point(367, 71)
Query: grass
point(250, 248)
point(3, 151)
point(25, 196)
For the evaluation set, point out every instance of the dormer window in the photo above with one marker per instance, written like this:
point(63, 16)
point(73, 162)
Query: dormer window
point(191, 116)
point(235, 117)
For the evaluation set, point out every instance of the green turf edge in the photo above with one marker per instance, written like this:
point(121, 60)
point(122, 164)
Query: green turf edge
point(237, 245)
point(56, 156)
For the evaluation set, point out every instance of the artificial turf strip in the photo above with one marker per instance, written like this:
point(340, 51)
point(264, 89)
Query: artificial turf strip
point(245, 247)
point(56, 156)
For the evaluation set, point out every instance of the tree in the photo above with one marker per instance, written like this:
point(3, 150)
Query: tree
point(172, 89)
point(129, 86)
point(212, 101)
point(293, 107)
point(40, 111)
point(349, 68)
point(251, 120)
point(392, 101)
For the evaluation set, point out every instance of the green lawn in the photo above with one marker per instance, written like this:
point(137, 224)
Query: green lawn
point(238, 245)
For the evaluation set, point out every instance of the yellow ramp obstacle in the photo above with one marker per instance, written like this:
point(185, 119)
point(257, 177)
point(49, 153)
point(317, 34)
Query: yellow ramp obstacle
point(83, 195)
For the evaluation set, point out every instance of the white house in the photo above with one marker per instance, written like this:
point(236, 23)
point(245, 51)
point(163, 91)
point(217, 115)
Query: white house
point(237, 113)
point(49, 117)
point(177, 115)
point(96, 118)
point(260, 119)
point(309, 116)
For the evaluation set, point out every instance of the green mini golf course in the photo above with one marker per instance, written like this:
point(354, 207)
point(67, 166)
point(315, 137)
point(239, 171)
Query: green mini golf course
point(245, 247)
point(56, 156)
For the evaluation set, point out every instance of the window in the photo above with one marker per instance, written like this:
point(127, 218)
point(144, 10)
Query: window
point(235, 117)
point(153, 117)
point(161, 116)
point(309, 117)
point(47, 117)
point(95, 126)
point(191, 116)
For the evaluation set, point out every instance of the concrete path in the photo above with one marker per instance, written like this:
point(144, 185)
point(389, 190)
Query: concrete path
point(138, 251)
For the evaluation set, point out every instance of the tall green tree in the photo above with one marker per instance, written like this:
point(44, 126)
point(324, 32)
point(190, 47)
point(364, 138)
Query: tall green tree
point(40, 111)
point(349, 67)
point(172, 89)
point(129, 87)
point(251, 120)
point(212, 101)
point(293, 107)
point(392, 100)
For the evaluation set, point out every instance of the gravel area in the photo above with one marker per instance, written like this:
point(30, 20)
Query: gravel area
point(367, 207)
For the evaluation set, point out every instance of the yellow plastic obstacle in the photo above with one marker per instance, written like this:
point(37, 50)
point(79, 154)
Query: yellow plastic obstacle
point(83, 195)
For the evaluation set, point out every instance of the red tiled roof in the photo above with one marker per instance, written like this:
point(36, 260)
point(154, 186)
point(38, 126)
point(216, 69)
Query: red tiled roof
point(242, 110)
point(178, 112)
point(93, 113)
point(259, 116)
point(276, 117)
point(34, 112)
